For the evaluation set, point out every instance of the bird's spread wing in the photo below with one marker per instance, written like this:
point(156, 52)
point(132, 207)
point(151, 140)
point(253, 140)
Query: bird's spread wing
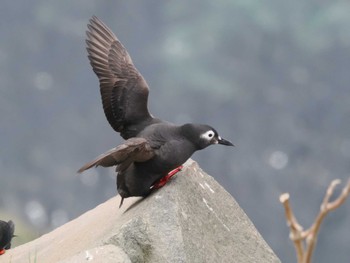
point(132, 150)
point(123, 89)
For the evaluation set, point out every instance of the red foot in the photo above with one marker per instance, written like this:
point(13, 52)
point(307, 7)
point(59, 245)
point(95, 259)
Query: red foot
point(162, 181)
point(2, 251)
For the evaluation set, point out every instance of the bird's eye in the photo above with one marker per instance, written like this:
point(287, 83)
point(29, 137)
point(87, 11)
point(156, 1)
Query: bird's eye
point(208, 135)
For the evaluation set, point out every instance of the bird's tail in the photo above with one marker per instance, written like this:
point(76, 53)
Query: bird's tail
point(121, 202)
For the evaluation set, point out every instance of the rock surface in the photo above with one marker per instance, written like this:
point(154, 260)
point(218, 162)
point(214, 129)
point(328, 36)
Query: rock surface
point(191, 219)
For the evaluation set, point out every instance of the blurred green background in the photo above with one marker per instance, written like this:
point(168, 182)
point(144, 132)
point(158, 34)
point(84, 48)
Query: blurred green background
point(272, 76)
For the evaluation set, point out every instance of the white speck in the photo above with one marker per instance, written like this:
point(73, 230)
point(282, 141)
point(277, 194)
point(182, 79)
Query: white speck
point(176, 47)
point(201, 186)
point(278, 160)
point(158, 196)
point(212, 210)
point(43, 81)
point(88, 256)
point(206, 203)
point(36, 213)
point(202, 175)
point(225, 226)
point(208, 186)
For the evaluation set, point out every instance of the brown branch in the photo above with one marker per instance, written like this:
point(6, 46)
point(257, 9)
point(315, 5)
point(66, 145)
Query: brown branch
point(295, 227)
point(305, 241)
point(341, 199)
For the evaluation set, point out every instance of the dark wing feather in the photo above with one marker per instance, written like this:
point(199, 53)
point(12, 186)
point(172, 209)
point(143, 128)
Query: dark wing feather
point(132, 150)
point(123, 90)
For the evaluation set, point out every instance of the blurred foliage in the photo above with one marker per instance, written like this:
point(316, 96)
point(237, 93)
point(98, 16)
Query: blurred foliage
point(272, 76)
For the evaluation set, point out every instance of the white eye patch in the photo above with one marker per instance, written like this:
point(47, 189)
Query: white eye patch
point(208, 135)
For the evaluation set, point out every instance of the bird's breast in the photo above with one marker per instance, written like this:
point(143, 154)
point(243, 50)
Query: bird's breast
point(171, 155)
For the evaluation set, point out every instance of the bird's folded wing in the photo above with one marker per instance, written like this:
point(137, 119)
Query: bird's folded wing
point(132, 150)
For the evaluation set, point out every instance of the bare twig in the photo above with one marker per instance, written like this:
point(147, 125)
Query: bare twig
point(295, 228)
point(305, 241)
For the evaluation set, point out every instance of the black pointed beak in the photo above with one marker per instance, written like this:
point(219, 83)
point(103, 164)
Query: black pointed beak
point(225, 142)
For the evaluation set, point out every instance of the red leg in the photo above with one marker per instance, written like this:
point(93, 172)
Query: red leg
point(2, 251)
point(162, 181)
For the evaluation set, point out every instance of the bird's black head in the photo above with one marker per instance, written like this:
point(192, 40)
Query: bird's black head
point(203, 135)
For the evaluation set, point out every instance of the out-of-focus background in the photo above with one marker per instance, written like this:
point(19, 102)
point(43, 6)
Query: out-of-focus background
point(272, 76)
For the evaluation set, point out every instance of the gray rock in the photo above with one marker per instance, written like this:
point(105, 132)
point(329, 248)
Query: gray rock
point(191, 219)
point(102, 254)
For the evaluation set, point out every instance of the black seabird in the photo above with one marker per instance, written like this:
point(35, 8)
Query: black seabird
point(7, 230)
point(153, 147)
